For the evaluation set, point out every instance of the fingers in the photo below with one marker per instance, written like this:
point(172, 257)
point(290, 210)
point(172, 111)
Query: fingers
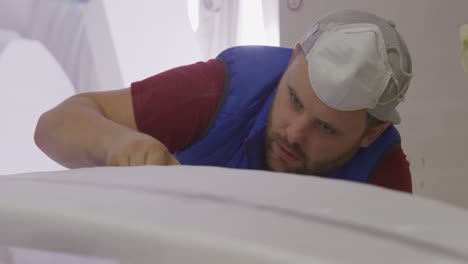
point(173, 160)
point(140, 151)
point(161, 158)
point(138, 158)
point(155, 158)
point(116, 160)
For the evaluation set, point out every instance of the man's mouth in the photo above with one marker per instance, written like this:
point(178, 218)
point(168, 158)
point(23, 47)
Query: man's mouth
point(285, 153)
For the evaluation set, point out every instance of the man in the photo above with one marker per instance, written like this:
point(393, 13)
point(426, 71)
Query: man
point(325, 108)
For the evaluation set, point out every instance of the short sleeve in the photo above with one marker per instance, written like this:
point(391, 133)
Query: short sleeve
point(177, 106)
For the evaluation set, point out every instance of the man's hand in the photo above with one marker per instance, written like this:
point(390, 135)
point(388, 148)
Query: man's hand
point(137, 149)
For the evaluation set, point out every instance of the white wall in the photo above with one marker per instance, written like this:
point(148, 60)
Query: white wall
point(150, 36)
point(435, 124)
point(26, 93)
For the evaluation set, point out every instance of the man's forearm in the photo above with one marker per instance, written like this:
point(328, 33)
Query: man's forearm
point(76, 133)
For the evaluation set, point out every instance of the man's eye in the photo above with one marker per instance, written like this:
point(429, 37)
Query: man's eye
point(324, 127)
point(295, 101)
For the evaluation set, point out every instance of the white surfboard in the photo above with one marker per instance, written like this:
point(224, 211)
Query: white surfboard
point(184, 214)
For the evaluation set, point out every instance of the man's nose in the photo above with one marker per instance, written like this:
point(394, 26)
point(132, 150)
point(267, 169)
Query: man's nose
point(297, 131)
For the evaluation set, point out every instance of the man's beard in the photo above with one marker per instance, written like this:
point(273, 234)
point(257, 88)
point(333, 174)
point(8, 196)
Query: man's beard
point(317, 168)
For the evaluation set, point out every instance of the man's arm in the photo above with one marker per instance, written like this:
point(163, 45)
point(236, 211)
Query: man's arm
point(98, 129)
point(134, 126)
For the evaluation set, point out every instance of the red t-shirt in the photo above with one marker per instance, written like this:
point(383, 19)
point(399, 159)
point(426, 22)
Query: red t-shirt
point(176, 107)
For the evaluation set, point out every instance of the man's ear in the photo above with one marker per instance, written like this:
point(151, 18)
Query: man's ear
point(297, 49)
point(373, 133)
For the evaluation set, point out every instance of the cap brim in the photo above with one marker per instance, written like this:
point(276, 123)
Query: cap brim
point(395, 117)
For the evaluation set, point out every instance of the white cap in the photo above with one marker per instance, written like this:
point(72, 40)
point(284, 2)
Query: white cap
point(464, 40)
point(358, 61)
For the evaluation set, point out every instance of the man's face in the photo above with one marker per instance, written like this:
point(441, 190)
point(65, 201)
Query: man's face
point(306, 136)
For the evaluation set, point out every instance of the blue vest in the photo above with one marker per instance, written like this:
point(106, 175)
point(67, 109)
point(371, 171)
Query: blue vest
point(236, 138)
